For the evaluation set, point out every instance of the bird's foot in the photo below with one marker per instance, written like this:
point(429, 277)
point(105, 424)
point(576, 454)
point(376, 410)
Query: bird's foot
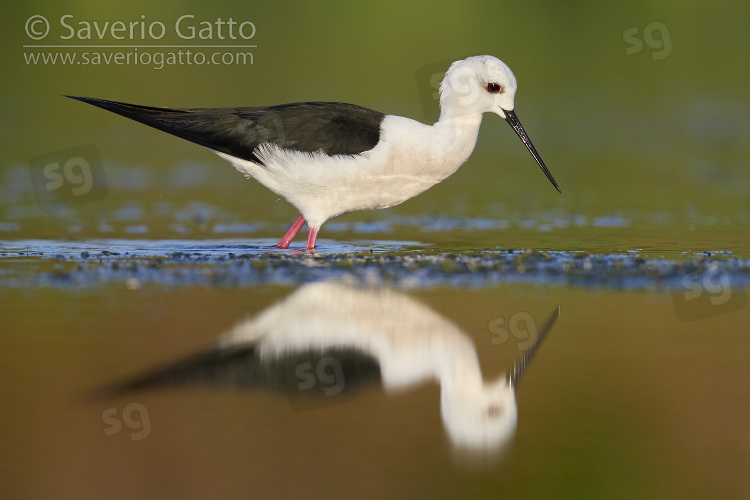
point(289, 236)
point(312, 236)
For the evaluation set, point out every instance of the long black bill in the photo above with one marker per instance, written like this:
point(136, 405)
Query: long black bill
point(519, 368)
point(512, 119)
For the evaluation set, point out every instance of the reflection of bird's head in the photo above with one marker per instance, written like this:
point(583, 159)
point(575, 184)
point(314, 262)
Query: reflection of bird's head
point(480, 418)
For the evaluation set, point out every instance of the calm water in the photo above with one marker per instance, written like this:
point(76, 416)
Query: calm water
point(341, 386)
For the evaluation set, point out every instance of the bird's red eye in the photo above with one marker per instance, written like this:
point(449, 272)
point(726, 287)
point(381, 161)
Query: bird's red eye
point(494, 88)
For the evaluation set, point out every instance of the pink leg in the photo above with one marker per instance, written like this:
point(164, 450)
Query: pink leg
point(312, 235)
point(289, 236)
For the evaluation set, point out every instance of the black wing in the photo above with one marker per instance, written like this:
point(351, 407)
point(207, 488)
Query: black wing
point(333, 127)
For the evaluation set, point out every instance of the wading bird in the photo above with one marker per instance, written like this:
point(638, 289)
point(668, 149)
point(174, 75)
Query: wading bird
point(330, 158)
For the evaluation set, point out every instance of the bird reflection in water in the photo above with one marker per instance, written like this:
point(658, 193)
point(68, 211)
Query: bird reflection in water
point(328, 340)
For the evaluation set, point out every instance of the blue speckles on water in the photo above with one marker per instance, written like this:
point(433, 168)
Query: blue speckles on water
point(236, 228)
point(224, 263)
point(139, 229)
point(611, 221)
point(129, 213)
point(188, 175)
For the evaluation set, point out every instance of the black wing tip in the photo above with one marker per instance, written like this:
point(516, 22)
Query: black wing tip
point(84, 99)
point(102, 103)
point(126, 109)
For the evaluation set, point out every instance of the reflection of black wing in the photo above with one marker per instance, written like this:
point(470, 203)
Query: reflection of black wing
point(243, 368)
point(333, 127)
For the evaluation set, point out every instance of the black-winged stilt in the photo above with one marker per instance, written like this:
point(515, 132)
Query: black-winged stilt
point(329, 158)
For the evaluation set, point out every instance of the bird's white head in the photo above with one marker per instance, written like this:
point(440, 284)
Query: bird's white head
point(482, 84)
point(477, 85)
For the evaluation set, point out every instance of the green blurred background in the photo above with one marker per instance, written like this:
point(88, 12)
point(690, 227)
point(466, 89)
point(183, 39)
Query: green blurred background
point(643, 125)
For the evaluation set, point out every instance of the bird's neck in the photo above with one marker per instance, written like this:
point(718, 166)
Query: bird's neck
point(460, 132)
point(450, 116)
